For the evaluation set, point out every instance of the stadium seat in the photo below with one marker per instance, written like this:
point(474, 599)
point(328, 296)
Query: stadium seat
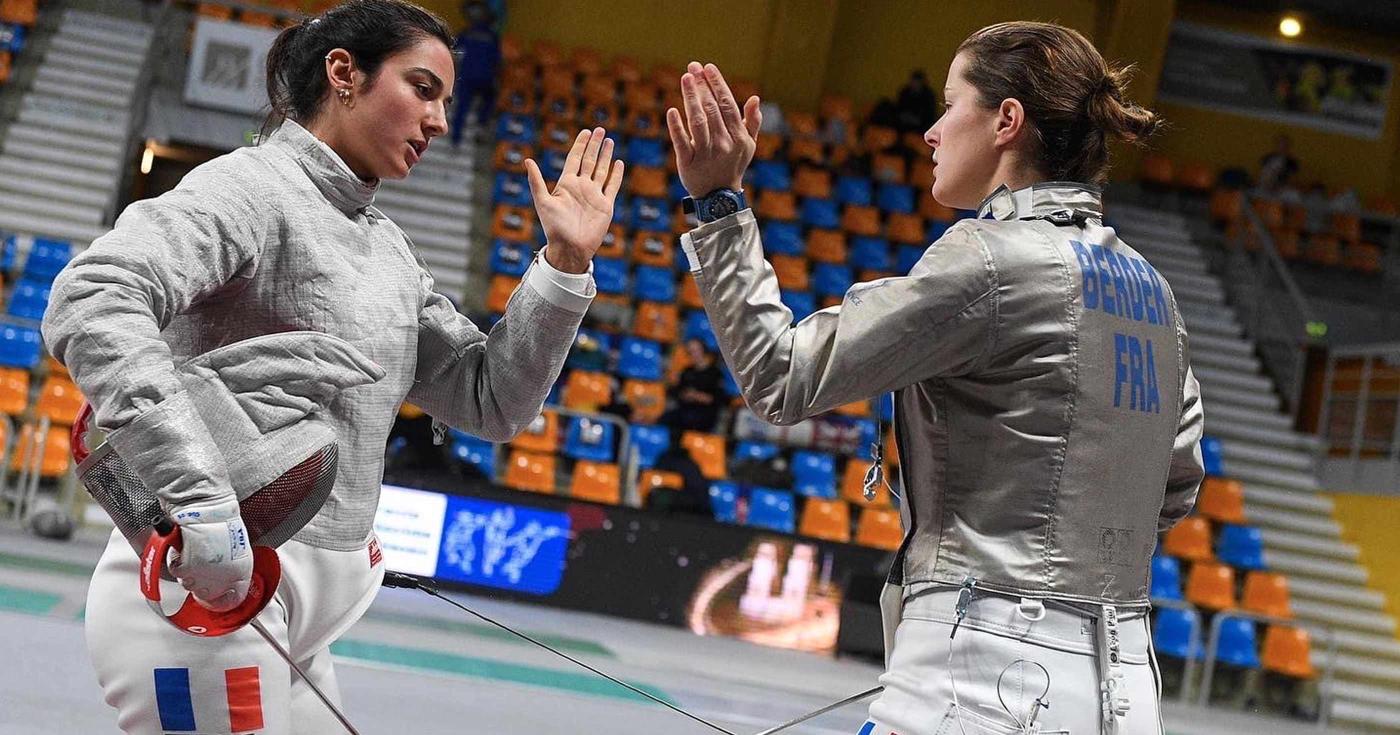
point(826, 246)
point(782, 238)
point(590, 439)
point(831, 280)
point(498, 295)
point(1189, 540)
point(1195, 177)
point(876, 138)
point(802, 303)
point(754, 451)
point(811, 182)
point(29, 299)
point(1241, 546)
point(12, 37)
point(895, 198)
point(791, 271)
point(1158, 171)
point(647, 181)
point(826, 519)
point(542, 435)
point(880, 528)
point(1288, 651)
point(610, 275)
point(59, 401)
point(1266, 593)
point(853, 486)
point(1211, 585)
point(14, 391)
point(654, 284)
point(820, 214)
point(724, 501)
point(929, 208)
point(614, 243)
point(772, 509)
point(516, 128)
point(650, 442)
point(690, 293)
point(1213, 456)
point(889, 168)
point(835, 107)
point(1324, 250)
point(650, 214)
point(1238, 644)
point(1166, 578)
point(708, 452)
point(697, 326)
point(19, 346)
point(474, 451)
point(776, 205)
point(587, 391)
point(870, 253)
point(53, 447)
point(639, 359)
point(859, 220)
point(530, 471)
point(906, 257)
point(814, 474)
point(46, 258)
point(854, 409)
point(647, 399)
point(6, 66)
point(908, 229)
point(854, 191)
point(657, 322)
point(510, 157)
point(1178, 633)
point(1221, 500)
point(510, 258)
point(654, 250)
point(1226, 205)
point(650, 480)
point(767, 146)
point(1363, 257)
point(600, 482)
point(921, 175)
point(646, 152)
point(771, 175)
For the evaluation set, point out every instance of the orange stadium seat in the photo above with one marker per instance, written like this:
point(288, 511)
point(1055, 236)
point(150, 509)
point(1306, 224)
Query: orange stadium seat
point(813, 182)
point(690, 293)
point(826, 519)
point(1266, 593)
point(929, 208)
point(559, 107)
point(587, 61)
point(1270, 213)
point(854, 409)
point(777, 205)
point(5, 66)
point(1211, 585)
point(547, 54)
point(1189, 540)
point(666, 76)
point(888, 167)
point(14, 391)
point(853, 486)
point(513, 224)
point(654, 248)
point(558, 135)
point(1225, 205)
point(708, 452)
point(510, 157)
point(59, 401)
point(647, 399)
point(876, 138)
point(1346, 226)
point(587, 391)
point(880, 528)
point(835, 107)
point(1158, 170)
point(1288, 244)
point(1324, 250)
point(657, 322)
point(791, 271)
point(542, 435)
point(601, 115)
point(498, 296)
point(1363, 256)
point(626, 68)
point(646, 181)
point(206, 10)
point(645, 124)
point(1295, 216)
point(1196, 177)
point(802, 124)
point(650, 480)
point(641, 96)
point(600, 482)
point(861, 220)
point(810, 150)
point(921, 174)
point(512, 50)
point(743, 89)
point(913, 141)
point(530, 471)
point(1221, 500)
point(826, 246)
point(767, 146)
point(614, 243)
point(905, 229)
point(1288, 650)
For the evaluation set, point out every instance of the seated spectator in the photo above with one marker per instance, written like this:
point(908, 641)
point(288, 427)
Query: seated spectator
point(698, 394)
point(1318, 207)
point(693, 497)
point(916, 108)
point(1278, 167)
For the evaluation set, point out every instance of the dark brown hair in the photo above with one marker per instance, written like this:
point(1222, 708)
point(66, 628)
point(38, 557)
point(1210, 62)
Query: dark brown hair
point(1074, 100)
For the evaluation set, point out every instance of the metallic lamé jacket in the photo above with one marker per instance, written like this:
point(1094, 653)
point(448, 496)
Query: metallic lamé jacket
point(1047, 421)
point(283, 237)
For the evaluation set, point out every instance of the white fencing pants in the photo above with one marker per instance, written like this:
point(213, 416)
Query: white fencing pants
point(997, 650)
point(161, 680)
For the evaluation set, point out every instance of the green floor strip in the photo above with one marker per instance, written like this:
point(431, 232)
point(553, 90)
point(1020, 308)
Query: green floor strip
point(42, 564)
point(579, 683)
point(573, 645)
point(17, 599)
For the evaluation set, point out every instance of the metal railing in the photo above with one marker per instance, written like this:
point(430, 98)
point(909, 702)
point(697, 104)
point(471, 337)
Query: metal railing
point(1279, 327)
point(1188, 672)
point(1328, 667)
point(1364, 436)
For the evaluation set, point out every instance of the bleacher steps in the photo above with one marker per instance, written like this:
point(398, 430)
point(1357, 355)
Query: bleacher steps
point(122, 87)
point(12, 166)
point(1349, 595)
point(57, 211)
point(1317, 545)
point(82, 65)
point(97, 128)
point(1352, 712)
point(56, 191)
point(1297, 522)
point(1289, 500)
point(1332, 614)
point(12, 220)
point(37, 136)
point(92, 96)
point(1306, 565)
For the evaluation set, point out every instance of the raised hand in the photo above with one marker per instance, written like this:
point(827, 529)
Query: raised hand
point(715, 140)
point(579, 211)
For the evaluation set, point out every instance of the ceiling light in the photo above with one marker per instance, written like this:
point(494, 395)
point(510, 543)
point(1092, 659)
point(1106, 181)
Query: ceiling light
point(1290, 27)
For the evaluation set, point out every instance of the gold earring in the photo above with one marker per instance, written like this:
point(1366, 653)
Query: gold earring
point(344, 95)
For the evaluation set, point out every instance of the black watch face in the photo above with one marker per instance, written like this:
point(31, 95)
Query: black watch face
point(723, 206)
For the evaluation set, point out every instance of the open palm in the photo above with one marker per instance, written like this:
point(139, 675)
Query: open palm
point(577, 214)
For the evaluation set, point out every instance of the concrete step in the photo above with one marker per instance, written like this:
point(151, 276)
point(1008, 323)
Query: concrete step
point(41, 153)
point(1273, 456)
point(14, 220)
point(84, 178)
point(97, 129)
point(55, 191)
point(1226, 362)
point(81, 94)
point(1224, 428)
point(1383, 647)
point(94, 67)
point(1213, 376)
point(1296, 521)
point(1272, 421)
point(71, 46)
point(1345, 595)
point(444, 263)
point(1232, 346)
point(1216, 395)
point(55, 210)
point(87, 19)
point(1175, 264)
point(1304, 565)
point(39, 136)
point(447, 189)
point(117, 87)
point(1219, 322)
point(105, 37)
point(1305, 543)
point(1348, 712)
point(1248, 471)
point(1330, 614)
point(1373, 694)
point(1355, 667)
point(1266, 498)
point(417, 220)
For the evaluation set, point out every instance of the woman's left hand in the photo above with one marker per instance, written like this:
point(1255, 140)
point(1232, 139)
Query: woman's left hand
point(577, 214)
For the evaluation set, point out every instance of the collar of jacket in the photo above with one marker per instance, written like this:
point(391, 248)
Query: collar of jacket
point(346, 191)
point(1040, 200)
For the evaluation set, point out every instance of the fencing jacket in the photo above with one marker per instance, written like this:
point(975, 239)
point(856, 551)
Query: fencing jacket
point(281, 237)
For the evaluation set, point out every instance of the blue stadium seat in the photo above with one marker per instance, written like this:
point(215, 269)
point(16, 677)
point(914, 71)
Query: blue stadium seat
point(724, 501)
point(752, 451)
point(1213, 454)
point(884, 407)
point(510, 258)
point(591, 351)
point(907, 257)
point(651, 441)
point(556, 394)
point(622, 210)
point(12, 37)
point(773, 175)
point(854, 190)
point(654, 284)
point(830, 279)
point(29, 299)
point(640, 359)
point(731, 386)
point(552, 164)
point(590, 439)
point(646, 152)
point(1239, 643)
point(814, 474)
point(651, 215)
point(46, 258)
point(1166, 578)
point(783, 238)
point(19, 346)
point(772, 509)
point(516, 128)
point(697, 326)
point(869, 431)
point(512, 189)
point(895, 198)
point(676, 190)
point(1241, 547)
point(821, 214)
point(936, 230)
point(966, 214)
point(1172, 633)
point(610, 275)
point(802, 303)
point(870, 254)
point(476, 452)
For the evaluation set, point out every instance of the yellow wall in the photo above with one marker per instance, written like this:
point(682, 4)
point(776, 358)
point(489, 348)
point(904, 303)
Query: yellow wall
point(1369, 521)
point(1336, 160)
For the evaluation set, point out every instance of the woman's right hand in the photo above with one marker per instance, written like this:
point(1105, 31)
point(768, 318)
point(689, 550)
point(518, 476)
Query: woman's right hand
point(577, 214)
point(715, 140)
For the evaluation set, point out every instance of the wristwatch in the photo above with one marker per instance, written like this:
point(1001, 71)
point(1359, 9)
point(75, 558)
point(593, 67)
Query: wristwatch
point(718, 203)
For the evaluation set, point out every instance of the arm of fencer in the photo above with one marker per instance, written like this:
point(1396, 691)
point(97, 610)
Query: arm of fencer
point(1187, 469)
point(886, 334)
point(108, 307)
point(493, 385)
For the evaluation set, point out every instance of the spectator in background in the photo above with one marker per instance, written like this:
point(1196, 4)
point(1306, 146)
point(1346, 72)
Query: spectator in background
point(479, 48)
point(1278, 166)
point(698, 393)
point(694, 495)
point(1317, 207)
point(916, 108)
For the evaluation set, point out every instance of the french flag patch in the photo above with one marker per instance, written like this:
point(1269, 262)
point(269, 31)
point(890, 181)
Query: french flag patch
point(176, 707)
